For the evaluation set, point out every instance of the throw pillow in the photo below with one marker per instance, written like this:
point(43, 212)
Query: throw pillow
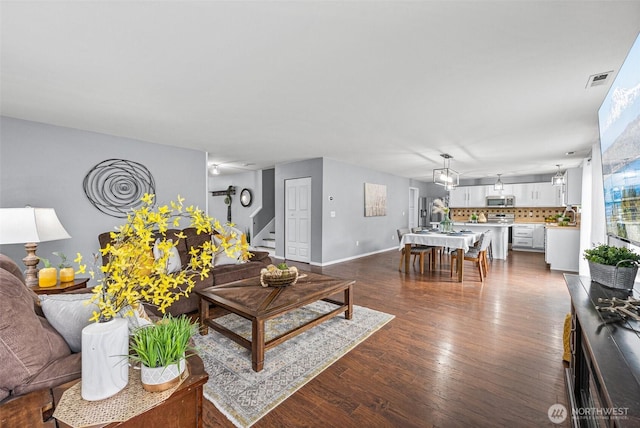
point(221, 258)
point(227, 238)
point(68, 314)
point(173, 262)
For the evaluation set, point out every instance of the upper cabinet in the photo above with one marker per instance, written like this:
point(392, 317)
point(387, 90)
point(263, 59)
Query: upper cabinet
point(526, 194)
point(548, 195)
point(458, 197)
point(477, 196)
point(507, 190)
point(572, 192)
point(537, 195)
point(468, 196)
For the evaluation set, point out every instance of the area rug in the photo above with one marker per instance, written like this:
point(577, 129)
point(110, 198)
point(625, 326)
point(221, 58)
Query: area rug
point(245, 396)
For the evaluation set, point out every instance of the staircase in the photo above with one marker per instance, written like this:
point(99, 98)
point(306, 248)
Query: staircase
point(268, 244)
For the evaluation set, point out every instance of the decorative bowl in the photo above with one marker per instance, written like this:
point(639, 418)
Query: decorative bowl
point(272, 276)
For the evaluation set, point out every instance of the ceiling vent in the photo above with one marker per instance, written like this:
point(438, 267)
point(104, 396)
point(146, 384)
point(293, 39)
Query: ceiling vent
point(599, 79)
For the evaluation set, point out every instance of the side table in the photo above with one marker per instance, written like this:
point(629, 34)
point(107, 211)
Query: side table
point(182, 409)
point(62, 287)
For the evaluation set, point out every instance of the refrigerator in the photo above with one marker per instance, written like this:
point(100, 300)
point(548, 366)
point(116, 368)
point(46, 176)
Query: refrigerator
point(427, 216)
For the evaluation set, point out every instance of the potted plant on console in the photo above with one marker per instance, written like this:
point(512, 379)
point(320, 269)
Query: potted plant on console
point(611, 266)
point(161, 350)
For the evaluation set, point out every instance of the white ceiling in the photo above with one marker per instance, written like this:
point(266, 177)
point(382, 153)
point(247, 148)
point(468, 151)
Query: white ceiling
point(387, 85)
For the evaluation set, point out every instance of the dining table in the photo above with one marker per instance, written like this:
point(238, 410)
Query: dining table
point(461, 241)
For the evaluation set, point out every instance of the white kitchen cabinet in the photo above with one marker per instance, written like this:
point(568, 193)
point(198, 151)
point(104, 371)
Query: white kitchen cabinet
point(523, 193)
point(528, 237)
point(458, 197)
point(548, 195)
point(468, 196)
point(562, 250)
point(507, 190)
point(522, 237)
point(537, 195)
point(477, 196)
point(572, 189)
point(538, 237)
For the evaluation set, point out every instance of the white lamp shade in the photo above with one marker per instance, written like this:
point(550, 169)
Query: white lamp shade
point(23, 225)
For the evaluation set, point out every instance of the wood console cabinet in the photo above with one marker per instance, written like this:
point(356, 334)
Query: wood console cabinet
point(603, 378)
point(182, 410)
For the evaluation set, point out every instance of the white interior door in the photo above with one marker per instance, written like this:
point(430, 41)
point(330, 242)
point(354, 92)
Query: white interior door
point(413, 207)
point(298, 219)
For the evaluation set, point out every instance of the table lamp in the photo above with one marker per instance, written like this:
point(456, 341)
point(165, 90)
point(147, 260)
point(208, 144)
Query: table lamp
point(30, 226)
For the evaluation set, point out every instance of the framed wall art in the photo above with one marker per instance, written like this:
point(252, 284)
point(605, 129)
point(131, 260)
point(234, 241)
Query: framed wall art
point(375, 200)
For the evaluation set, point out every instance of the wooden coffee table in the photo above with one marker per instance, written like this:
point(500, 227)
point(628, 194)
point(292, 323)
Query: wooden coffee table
point(258, 304)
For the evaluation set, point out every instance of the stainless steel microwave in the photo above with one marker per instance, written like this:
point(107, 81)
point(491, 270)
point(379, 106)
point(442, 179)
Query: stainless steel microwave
point(501, 201)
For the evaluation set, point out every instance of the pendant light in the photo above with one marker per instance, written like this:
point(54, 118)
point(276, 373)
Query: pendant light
point(558, 179)
point(499, 185)
point(446, 176)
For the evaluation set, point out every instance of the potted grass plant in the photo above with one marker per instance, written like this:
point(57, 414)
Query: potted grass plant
point(614, 267)
point(162, 349)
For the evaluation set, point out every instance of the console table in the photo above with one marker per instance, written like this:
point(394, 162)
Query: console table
point(62, 287)
point(603, 378)
point(182, 409)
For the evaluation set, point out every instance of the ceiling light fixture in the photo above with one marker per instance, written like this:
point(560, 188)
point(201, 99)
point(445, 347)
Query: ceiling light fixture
point(446, 176)
point(214, 170)
point(499, 185)
point(558, 179)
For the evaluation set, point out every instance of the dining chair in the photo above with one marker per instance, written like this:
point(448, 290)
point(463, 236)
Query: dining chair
point(436, 251)
point(416, 250)
point(476, 254)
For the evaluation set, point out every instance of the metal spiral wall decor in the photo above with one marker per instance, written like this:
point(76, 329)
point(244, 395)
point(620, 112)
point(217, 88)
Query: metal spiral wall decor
point(115, 186)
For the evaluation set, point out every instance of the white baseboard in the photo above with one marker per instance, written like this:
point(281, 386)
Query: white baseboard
point(353, 257)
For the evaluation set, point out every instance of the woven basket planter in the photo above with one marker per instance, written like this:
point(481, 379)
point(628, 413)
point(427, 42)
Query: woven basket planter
point(613, 276)
point(274, 277)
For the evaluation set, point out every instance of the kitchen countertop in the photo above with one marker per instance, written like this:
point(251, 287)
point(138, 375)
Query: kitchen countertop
point(490, 224)
point(556, 226)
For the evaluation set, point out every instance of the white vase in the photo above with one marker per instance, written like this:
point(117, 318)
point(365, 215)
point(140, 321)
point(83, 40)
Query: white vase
point(105, 364)
point(156, 379)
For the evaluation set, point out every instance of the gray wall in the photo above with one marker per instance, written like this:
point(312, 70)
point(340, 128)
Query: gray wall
point(44, 166)
point(240, 216)
point(308, 168)
point(339, 187)
point(344, 184)
point(261, 211)
point(430, 190)
point(268, 211)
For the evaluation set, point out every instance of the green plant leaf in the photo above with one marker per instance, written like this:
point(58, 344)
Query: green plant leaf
point(611, 255)
point(164, 343)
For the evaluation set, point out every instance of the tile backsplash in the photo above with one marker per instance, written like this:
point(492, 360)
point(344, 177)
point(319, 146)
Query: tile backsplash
point(522, 214)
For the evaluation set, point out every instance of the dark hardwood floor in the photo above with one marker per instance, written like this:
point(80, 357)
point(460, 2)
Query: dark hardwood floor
point(465, 354)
